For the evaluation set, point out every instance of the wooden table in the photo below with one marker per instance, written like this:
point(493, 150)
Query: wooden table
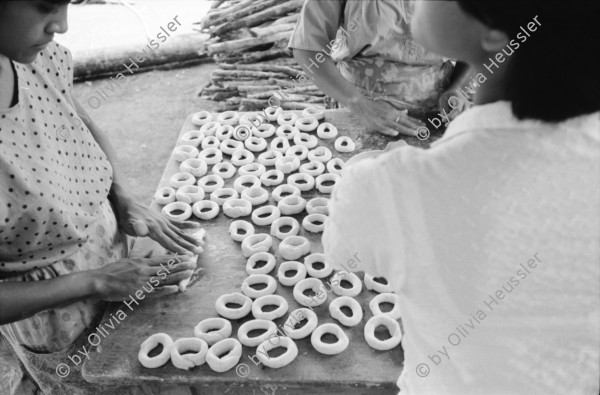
point(358, 370)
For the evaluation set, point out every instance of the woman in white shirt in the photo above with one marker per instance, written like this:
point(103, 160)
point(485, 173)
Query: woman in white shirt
point(492, 236)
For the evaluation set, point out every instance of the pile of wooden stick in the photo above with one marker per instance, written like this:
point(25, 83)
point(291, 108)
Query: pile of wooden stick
point(249, 41)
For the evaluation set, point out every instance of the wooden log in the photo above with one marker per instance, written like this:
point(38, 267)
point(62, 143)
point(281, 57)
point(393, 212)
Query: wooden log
point(255, 7)
point(259, 17)
point(211, 90)
point(221, 96)
point(215, 14)
point(269, 54)
point(266, 67)
point(292, 18)
point(234, 74)
point(292, 106)
point(272, 29)
point(247, 43)
point(257, 88)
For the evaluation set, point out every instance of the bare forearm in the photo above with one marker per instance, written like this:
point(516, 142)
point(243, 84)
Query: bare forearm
point(327, 76)
point(20, 300)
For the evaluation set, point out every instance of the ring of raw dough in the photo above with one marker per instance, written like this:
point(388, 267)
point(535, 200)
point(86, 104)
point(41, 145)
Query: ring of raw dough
point(307, 124)
point(393, 328)
point(264, 131)
point(253, 169)
point(288, 266)
point(225, 170)
point(229, 360)
point(233, 313)
point(313, 169)
point(199, 207)
point(318, 205)
point(353, 279)
point(178, 206)
point(236, 226)
point(254, 279)
point(284, 190)
point(310, 223)
point(280, 144)
point(250, 120)
point(224, 132)
point(291, 205)
point(215, 181)
point(252, 325)
point(299, 151)
point(235, 208)
point(202, 118)
point(323, 178)
point(287, 164)
point(221, 195)
point(149, 344)
point(255, 195)
point(190, 194)
point(210, 129)
point(376, 286)
point(211, 156)
point(327, 131)
point(193, 138)
point(313, 112)
point(344, 144)
point(293, 248)
point(273, 113)
point(256, 243)
point(188, 360)
point(205, 209)
point(320, 154)
point(229, 146)
point(239, 183)
point(260, 256)
point(386, 298)
point(328, 348)
point(297, 316)
point(335, 310)
point(183, 152)
point(255, 144)
point(179, 180)
point(213, 330)
point(272, 177)
point(302, 181)
point(242, 157)
point(287, 132)
point(287, 118)
point(269, 158)
point(211, 142)
point(194, 166)
point(317, 257)
point(272, 213)
point(228, 118)
point(165, 196)
point(316, 286)
point(262, 301)
point(307, 140)
point(282, 360)
point(284, 221)
point(336, 166)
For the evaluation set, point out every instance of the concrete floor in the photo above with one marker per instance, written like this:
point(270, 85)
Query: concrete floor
point(144, 118)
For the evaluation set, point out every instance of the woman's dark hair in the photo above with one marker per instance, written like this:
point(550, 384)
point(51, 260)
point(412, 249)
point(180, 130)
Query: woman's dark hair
point(554, 75)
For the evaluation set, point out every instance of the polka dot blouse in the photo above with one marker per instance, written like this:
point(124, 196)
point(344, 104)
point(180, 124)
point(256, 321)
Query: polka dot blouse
point(53, 173)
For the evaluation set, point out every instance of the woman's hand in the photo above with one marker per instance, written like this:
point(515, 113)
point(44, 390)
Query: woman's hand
point(452, 103)
point(139, 221)
point(383, 117)
point(160, 275)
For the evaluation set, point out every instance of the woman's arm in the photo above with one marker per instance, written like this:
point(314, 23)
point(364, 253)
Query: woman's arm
point(21, 300)
point(114, 282)
point(135, 219)
point(376, 115)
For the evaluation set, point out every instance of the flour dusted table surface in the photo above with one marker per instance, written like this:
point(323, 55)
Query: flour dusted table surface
point(358, 370)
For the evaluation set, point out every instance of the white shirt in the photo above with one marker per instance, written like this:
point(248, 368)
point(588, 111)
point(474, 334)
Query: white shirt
point(497, 208)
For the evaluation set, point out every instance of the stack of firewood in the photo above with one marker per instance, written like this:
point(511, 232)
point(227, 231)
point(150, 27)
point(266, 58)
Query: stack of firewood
point(249, 43)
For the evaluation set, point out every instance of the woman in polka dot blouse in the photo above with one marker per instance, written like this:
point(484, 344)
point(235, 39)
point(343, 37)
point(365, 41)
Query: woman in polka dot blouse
point(65, 211)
